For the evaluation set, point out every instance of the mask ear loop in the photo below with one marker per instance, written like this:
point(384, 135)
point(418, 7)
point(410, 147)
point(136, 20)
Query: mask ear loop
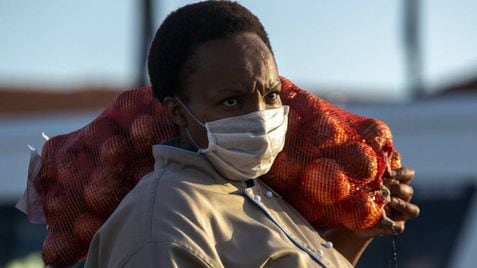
point(195, 118)
point(189, 112)
point(192, 139)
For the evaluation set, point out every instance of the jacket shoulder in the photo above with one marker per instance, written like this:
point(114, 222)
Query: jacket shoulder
point(163, 207)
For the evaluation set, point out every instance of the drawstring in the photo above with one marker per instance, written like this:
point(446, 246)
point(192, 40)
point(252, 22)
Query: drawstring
point(394, 262)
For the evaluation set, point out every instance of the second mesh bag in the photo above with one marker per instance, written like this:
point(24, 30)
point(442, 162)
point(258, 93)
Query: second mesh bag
point(332, 167)
point(85, 174)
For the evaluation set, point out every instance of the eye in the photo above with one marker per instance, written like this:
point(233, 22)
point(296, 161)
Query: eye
point(272, 97)
point(230, 102)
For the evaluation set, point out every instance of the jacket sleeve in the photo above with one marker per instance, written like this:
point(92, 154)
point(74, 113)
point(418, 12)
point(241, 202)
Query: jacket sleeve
point(167, 254)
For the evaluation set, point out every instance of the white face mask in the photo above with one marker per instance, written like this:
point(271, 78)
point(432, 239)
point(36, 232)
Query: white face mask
point(244, 147)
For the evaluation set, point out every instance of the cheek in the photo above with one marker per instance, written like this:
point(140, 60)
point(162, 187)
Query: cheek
point(199, 134)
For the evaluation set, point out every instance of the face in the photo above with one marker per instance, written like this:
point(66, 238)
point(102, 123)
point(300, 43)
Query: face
point(225, 78)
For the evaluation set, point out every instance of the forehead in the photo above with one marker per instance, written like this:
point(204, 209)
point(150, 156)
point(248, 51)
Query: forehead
point(238, 49)
point(239, 62)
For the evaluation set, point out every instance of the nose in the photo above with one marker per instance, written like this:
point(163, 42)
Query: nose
point(258, 102)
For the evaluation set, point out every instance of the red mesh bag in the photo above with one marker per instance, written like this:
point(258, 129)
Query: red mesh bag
point(332, 167)
point(85, 174)
point(330, 170)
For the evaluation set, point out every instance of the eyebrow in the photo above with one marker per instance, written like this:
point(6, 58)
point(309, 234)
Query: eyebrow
point(236, 91)
point(276, 83)
point(273, 85)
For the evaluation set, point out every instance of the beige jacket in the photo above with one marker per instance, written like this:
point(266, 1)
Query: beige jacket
point(184, 214)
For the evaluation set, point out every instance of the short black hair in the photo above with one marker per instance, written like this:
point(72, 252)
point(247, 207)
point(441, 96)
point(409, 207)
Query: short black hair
point(185, 29)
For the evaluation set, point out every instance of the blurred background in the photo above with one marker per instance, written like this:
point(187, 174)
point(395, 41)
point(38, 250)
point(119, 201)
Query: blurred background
point(411, 63)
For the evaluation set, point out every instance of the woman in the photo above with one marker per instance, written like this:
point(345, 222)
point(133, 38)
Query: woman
point(212, 67)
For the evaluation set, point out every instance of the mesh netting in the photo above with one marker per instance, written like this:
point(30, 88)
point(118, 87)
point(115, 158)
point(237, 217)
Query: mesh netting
point(86, 173)
point(332, 166)
point(330, 170)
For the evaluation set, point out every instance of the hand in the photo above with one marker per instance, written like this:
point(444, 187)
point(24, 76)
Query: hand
point(353, 243)
point(400, 209)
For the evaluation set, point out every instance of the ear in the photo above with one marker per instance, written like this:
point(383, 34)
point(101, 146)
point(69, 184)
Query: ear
point(175, 111)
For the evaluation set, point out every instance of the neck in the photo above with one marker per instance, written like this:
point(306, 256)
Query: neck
point(184, 141)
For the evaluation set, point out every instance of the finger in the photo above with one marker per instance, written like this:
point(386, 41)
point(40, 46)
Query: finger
point(399, 227)
point(404, 175)
point(406, 209)
point(395, 215)
point(390, 228)
point(403, 191)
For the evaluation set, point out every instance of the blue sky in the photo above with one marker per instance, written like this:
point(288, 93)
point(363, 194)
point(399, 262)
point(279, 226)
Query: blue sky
point(347, 45)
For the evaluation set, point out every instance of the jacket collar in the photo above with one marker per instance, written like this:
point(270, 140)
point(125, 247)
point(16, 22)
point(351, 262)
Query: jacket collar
point(195, 164)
